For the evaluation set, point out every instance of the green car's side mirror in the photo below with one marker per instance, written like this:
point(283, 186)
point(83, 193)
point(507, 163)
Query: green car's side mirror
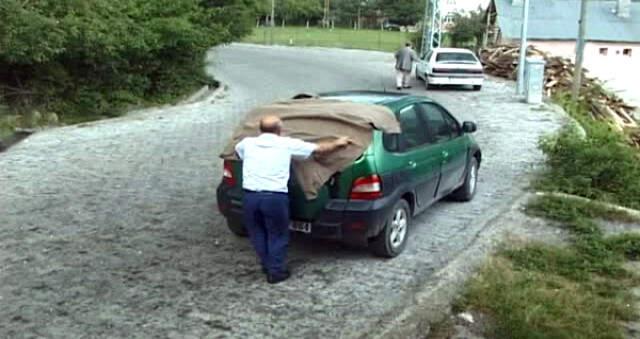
point(469, 127)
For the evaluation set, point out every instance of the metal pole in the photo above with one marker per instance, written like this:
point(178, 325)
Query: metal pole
point(577, 75)
point(273, 13)
point(523, 47)
point(425, 29)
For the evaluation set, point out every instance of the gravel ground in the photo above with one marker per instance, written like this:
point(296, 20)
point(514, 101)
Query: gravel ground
point(109, 229)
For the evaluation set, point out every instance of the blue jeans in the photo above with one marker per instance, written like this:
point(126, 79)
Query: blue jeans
point(266, 218)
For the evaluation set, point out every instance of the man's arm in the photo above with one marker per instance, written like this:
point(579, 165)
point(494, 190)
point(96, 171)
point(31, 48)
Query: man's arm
point(324, 148)
point(415, 56)
point(303, 149)
point(240, 149)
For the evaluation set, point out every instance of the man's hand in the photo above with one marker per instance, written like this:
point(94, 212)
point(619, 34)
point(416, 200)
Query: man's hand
point(343, 142)
point(331, 146)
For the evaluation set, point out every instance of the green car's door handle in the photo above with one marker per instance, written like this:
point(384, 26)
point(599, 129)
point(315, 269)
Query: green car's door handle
point(412, 164)
point(445, 154)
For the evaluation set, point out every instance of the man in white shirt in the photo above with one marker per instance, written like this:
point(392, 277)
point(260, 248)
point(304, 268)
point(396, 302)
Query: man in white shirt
point(266, 164)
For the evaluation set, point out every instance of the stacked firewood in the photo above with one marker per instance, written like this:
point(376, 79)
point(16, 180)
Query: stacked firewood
point(502, 61)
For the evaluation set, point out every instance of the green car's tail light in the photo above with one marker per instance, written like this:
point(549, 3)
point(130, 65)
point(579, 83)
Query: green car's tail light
point(366, 188)
point(227, 174)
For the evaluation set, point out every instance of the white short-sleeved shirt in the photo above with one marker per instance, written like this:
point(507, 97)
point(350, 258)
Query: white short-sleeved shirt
point(266, 161)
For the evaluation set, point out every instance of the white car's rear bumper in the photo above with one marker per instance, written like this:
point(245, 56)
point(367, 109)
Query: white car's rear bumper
point(455, 80)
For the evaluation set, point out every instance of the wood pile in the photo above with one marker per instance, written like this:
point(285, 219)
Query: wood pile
point(502, 61)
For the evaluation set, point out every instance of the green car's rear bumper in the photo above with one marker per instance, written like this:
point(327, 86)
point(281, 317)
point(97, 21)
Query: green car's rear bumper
point(349, 221)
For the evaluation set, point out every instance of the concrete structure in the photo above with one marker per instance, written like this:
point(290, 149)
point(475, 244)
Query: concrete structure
point(534, 80)
point(612, 52)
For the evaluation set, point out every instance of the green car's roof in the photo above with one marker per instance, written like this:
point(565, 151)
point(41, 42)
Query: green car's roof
point(392, 100)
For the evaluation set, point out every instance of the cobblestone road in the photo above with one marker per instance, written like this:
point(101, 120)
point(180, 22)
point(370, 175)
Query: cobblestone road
point(109, 229)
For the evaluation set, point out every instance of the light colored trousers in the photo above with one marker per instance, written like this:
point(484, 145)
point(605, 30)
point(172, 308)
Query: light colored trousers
point(402, 78)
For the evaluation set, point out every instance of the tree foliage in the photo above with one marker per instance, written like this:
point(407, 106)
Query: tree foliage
point(402, 12)
point(299, 11)
point(467, 29)
point(98, 56)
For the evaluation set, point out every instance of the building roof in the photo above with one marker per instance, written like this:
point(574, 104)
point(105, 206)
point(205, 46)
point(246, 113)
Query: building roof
point(558, 20)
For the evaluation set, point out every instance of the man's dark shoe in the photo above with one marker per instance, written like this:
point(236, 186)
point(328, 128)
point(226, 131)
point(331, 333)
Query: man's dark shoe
point(407, 87)
point(399, 88)
point(277, 278)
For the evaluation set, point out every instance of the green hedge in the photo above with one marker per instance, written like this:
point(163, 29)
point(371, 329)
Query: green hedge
point(82, 58)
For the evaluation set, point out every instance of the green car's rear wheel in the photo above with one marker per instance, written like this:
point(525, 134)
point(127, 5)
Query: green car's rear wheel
point(393, 238)
point(237, 228)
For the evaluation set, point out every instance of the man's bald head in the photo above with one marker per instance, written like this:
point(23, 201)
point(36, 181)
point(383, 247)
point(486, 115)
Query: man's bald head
point(271, 124)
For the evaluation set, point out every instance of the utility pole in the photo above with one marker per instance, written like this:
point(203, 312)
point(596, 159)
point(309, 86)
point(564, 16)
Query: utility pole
point(577, 74)
point(432, 33)
point(523, 47)
point(273, 13)
point(425, 29)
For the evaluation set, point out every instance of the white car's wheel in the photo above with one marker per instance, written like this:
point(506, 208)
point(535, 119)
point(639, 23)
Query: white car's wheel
point(427, 85)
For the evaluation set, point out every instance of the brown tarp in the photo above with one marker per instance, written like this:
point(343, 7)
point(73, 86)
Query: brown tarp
point(318, 120)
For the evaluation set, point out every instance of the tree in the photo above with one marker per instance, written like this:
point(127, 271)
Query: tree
point(402, 12)
point(349, 11)
point(467, 29)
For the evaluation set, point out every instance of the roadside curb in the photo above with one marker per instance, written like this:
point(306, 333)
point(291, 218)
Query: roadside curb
point(635, 214)
point(14, 138)
point(203, 94)
point(431, 302)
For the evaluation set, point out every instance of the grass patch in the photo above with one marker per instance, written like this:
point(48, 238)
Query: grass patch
point(542, 291)
point(339, 38)
point(577, 291)
point(533, 303)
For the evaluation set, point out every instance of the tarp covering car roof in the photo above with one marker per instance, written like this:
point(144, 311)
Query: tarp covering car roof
point(314, 119)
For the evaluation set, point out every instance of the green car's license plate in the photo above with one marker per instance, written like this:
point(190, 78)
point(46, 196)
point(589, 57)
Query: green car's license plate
point(300, 226)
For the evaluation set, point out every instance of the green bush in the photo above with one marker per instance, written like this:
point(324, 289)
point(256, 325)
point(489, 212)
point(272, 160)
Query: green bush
point(601, 166)
point(99, 57)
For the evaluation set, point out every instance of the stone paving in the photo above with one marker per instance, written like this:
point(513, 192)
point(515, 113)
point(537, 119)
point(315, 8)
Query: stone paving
point(109, 229)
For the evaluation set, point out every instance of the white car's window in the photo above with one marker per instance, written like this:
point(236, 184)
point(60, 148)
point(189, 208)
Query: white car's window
point(456, 57)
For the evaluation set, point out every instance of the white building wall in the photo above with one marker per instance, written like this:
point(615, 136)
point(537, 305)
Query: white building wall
point(605, 60)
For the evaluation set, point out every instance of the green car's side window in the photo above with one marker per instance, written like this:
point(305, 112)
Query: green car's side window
point(412, 134)
point(441, 126)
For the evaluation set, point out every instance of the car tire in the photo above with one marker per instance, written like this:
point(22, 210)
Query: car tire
point(467, 191)
point(427, 85)
point(393, 238)
point(477, 87)
point(237, 229)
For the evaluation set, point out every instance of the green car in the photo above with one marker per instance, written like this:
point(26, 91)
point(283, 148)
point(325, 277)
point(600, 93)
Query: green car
point(372, 202)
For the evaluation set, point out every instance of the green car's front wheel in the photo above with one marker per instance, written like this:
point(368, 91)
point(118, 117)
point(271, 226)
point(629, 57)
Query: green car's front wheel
point(467, 191)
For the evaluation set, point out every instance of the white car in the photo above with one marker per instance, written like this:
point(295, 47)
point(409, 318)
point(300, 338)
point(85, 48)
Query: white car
point(450, 66)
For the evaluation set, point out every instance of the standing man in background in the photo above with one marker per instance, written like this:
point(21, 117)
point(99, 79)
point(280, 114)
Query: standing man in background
point(404, 64)
point(266, 164)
